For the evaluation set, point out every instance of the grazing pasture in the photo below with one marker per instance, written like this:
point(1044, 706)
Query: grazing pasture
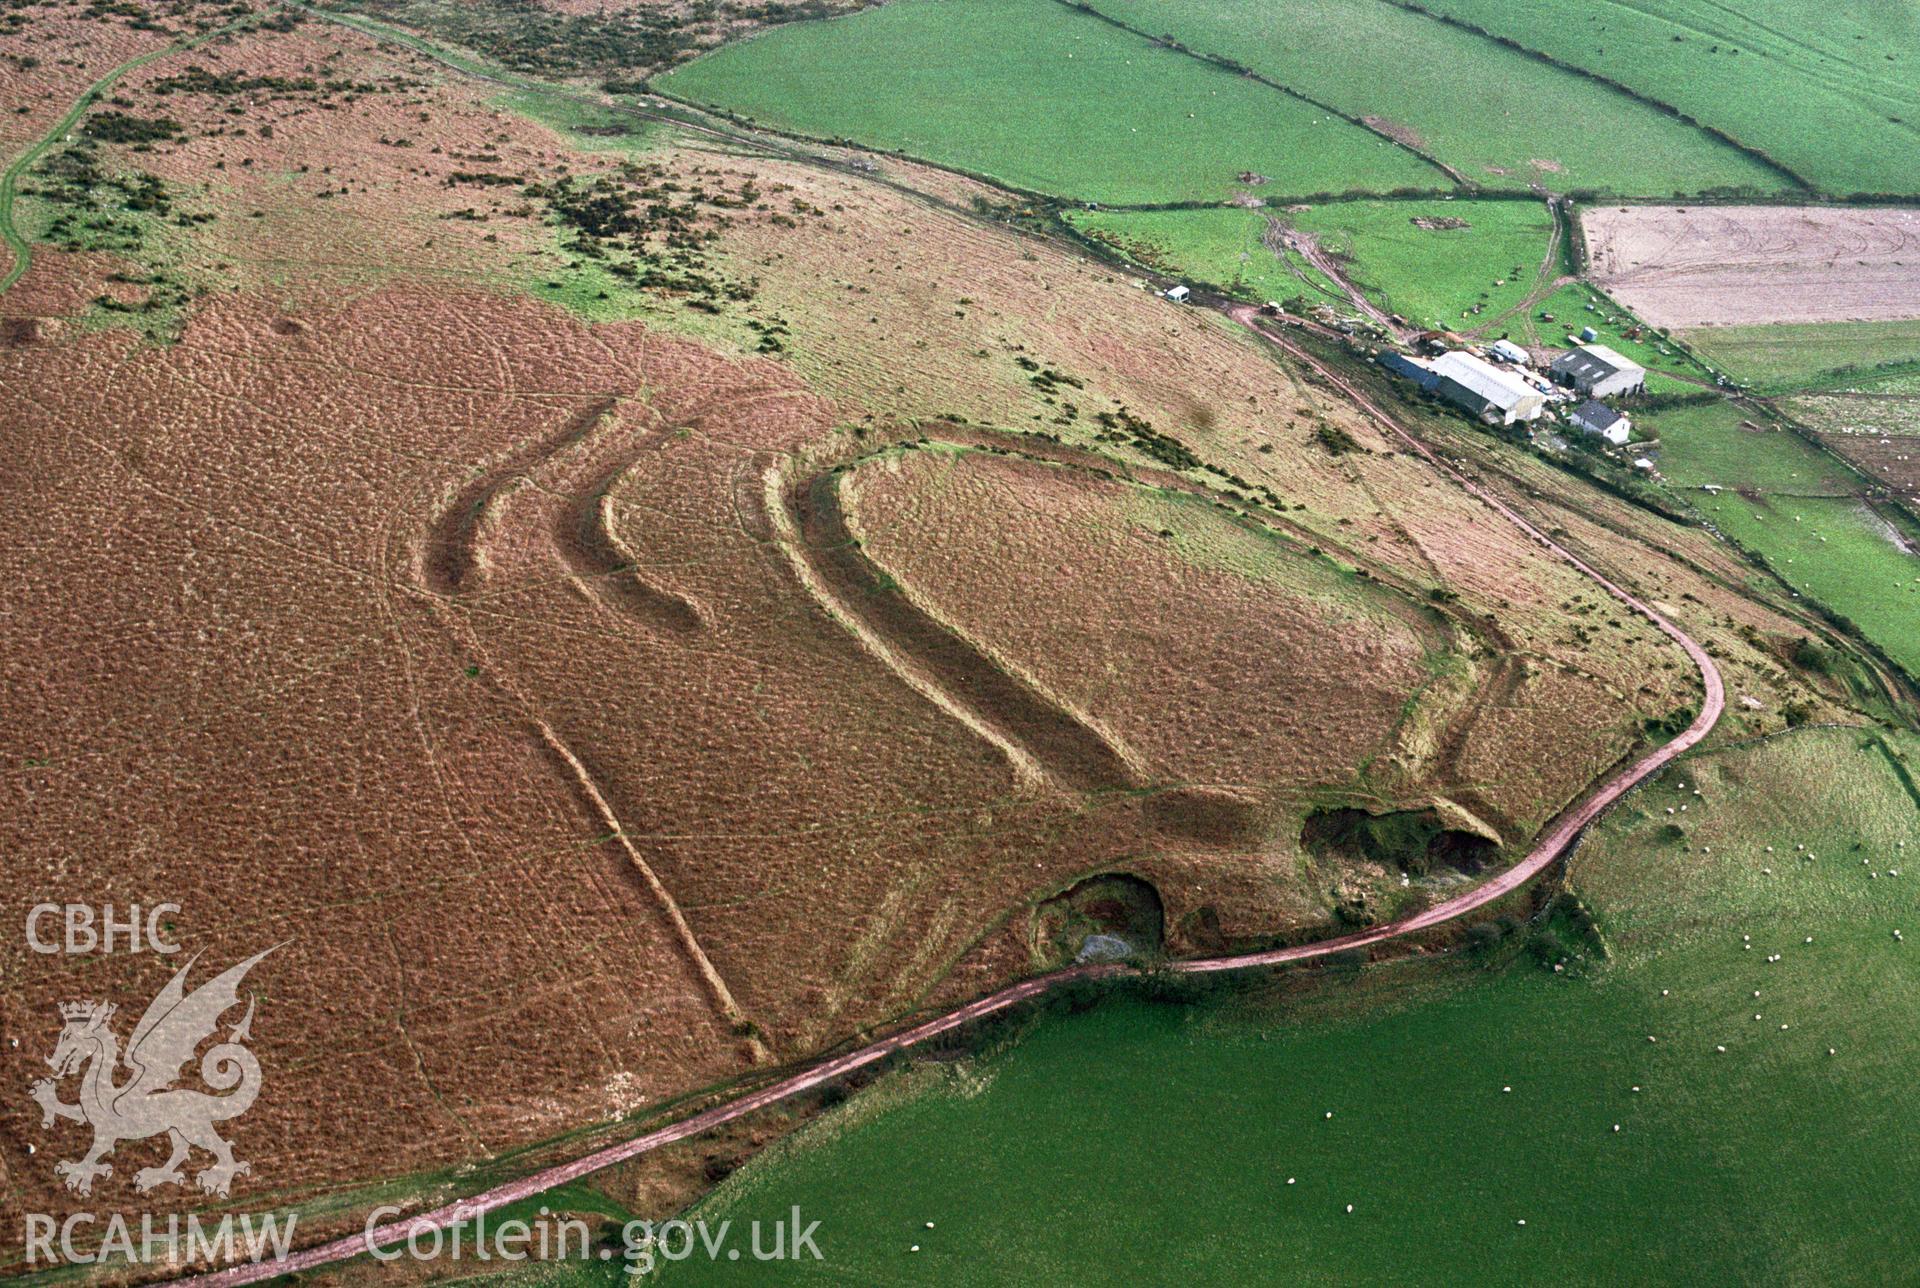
point(1230, 247)
point(1878, 433)
point(1905, 384)
point(1857, 560)
point(1455, 1101)
point(1827, 90)
point(1866, 413)
point(1409, 260)
point(1802, 511)
point(1894, 461)
point(1040, 96)
point(1794, 355)
point(1498, 117)
point(1726, 445)
point(1432, 274)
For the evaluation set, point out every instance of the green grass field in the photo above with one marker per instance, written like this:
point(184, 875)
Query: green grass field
point(1436, 277)
point(1037, 95)
point(1221, 247)
point(587, 128)
point(1886, 413)
point(1502, 119)
point(1798, 508)
point(1789, 355)
point(1429, 276)
point(1839, 553)
point(1142, 1143)
point(1830, 90)
point(1903, 383)
point(1720, 443)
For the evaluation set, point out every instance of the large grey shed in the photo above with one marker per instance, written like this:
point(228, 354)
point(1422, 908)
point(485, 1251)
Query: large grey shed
point(1599, 372)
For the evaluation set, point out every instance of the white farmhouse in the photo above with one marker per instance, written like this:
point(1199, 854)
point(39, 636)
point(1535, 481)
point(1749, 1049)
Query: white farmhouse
point(1598, 418)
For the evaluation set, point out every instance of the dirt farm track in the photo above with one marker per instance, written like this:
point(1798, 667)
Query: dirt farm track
point(1549, 847)
point(1684, 266)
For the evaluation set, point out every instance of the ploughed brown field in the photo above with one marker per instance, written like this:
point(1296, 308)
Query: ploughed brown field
point(598, 711)
point(1685, 266)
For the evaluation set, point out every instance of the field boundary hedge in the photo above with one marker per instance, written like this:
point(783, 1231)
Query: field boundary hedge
point(1756, 153)
point(1241, 69)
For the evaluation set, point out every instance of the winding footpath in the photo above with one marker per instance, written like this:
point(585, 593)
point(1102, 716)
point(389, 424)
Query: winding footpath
point(1545, 851)
point(16, 242)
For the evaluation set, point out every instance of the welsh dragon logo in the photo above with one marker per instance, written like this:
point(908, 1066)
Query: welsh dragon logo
point(147, 1103)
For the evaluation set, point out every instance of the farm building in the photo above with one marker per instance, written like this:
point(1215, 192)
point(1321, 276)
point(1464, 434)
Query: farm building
point(1508, 351)
point(1598, 418)
point(1413, 369)
point(1599, 372)
point(1496, 396)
